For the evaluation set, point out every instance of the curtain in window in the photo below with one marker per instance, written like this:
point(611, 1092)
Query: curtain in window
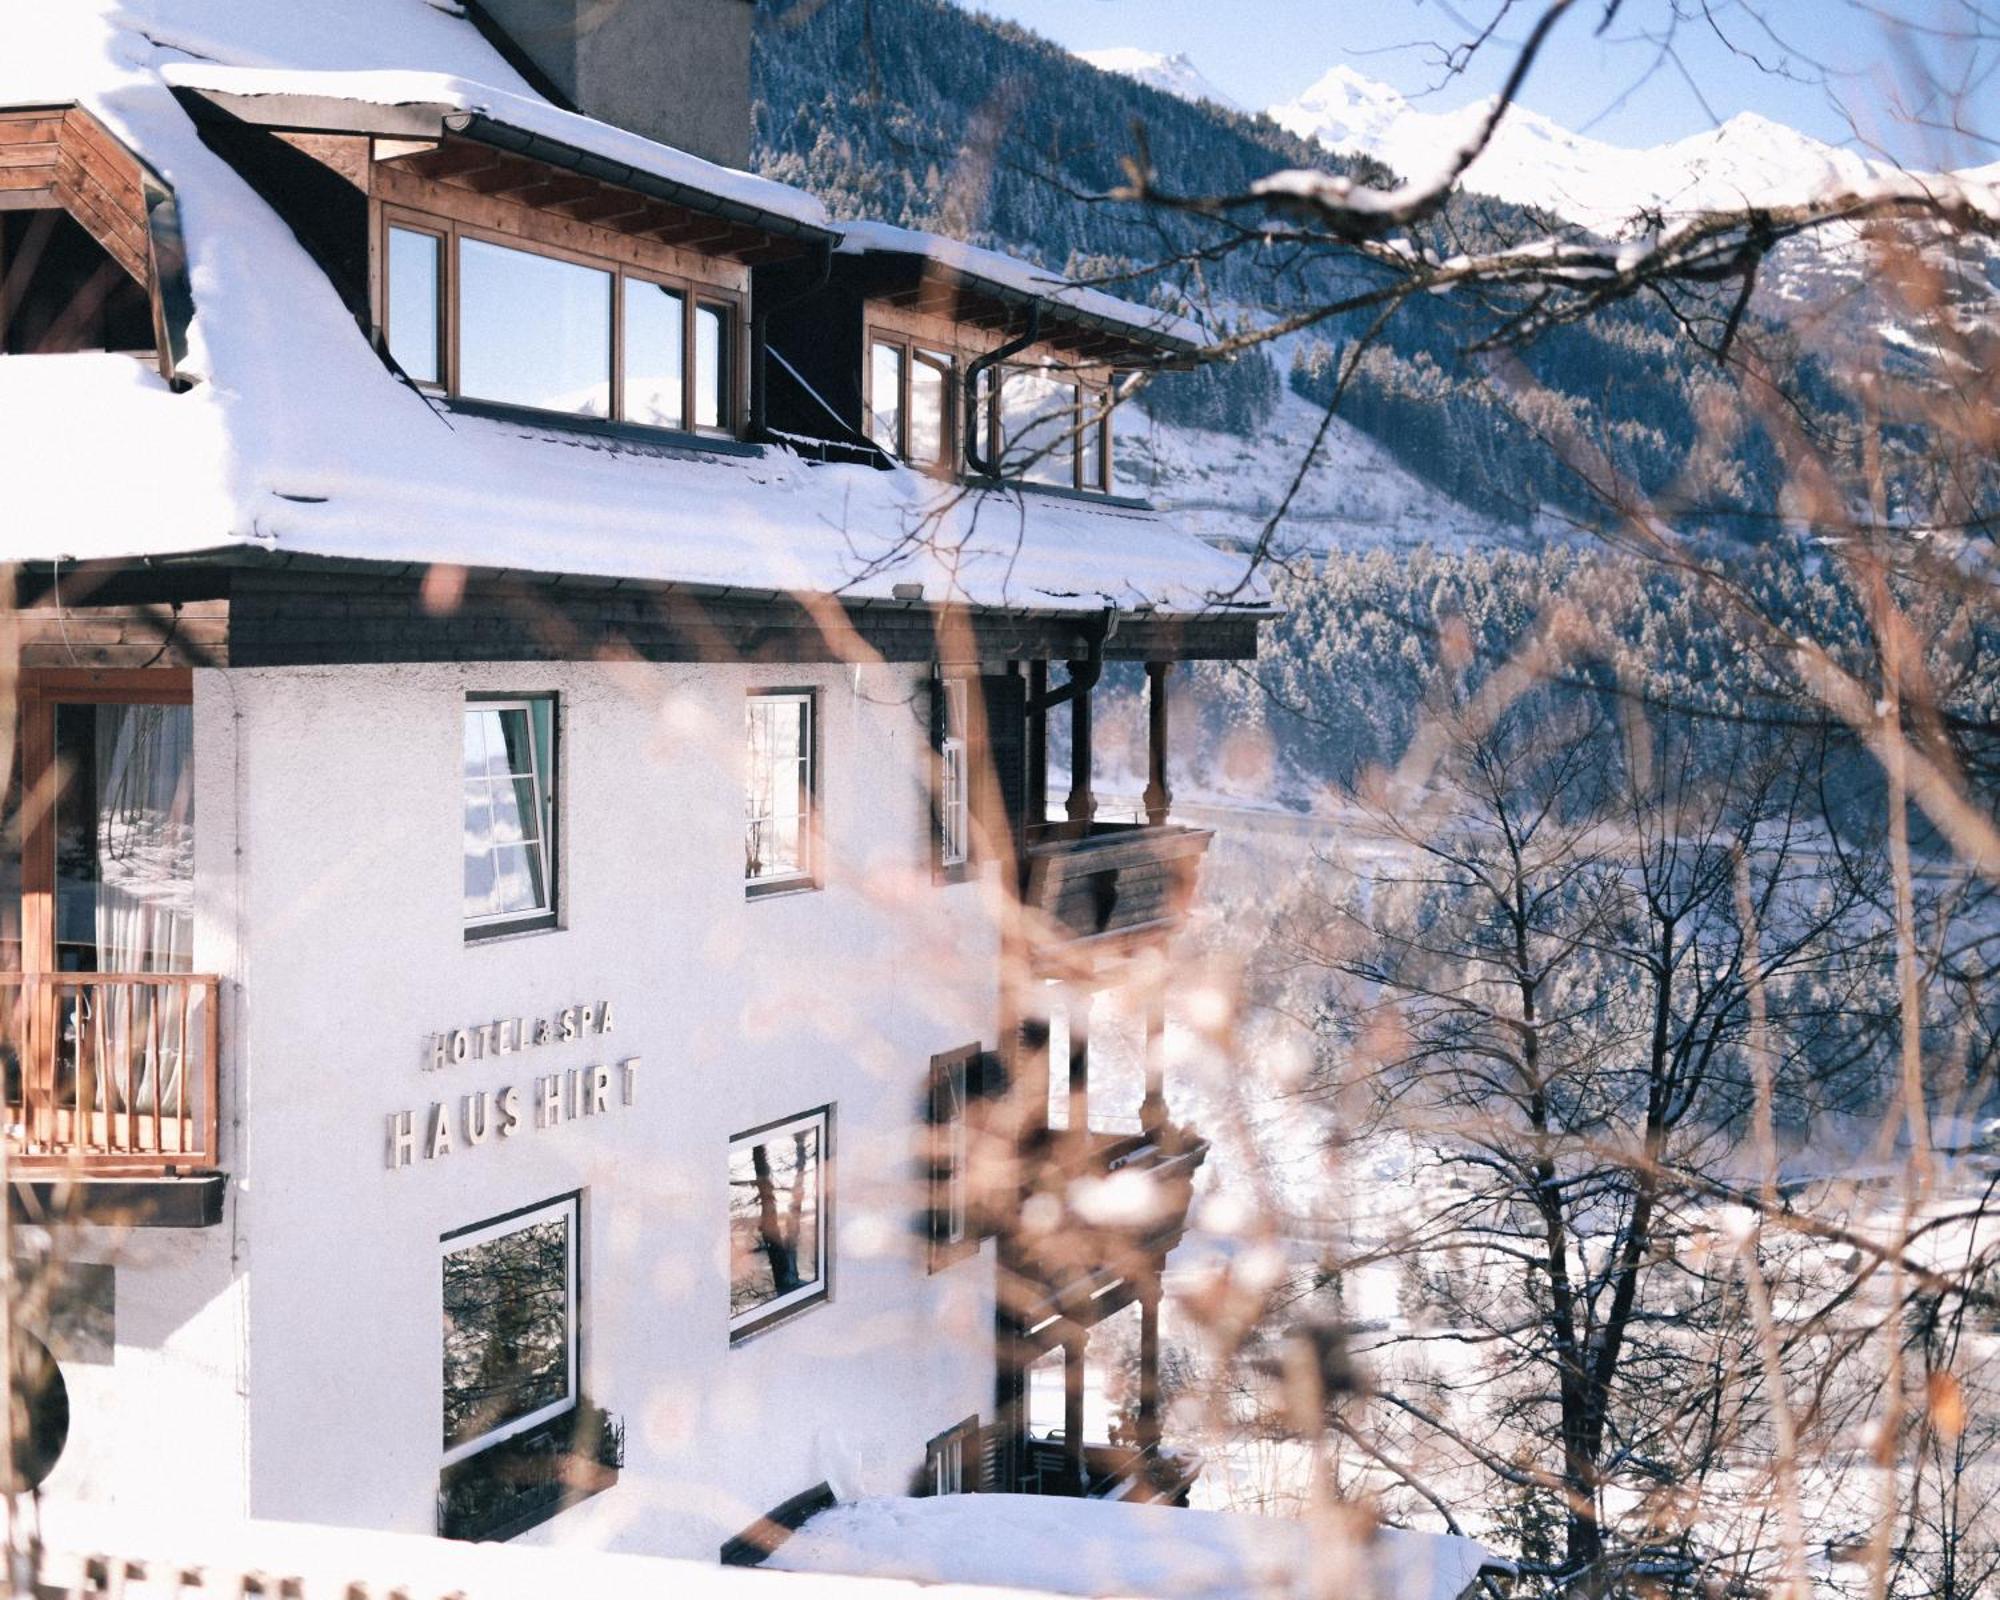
point(142, 790)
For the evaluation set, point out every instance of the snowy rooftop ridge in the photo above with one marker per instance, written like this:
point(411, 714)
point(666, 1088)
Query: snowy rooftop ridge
point(458, 101)
point(1012, 275)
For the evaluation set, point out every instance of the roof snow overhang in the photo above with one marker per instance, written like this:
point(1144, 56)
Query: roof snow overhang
point(397, 107)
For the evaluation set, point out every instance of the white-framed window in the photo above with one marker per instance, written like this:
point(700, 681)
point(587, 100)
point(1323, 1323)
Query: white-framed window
point(954, 775)
point(778, 842)
point(510, 1325)
point(509, 750)
point(778, 1219)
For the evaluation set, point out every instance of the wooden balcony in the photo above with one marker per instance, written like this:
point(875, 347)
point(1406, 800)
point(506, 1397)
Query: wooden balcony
point(110, 1075)
point(1108, 887)
point(1102, 1241)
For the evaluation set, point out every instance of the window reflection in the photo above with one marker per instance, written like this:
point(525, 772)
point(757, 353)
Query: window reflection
point(533, 331)
point(777, 1246)
point(414, 278)
point(1037, 419)
point(777, 835)
point(885, 397)
point(507, 787)
point(509, 1334)
point(930, 381)
point(655, 337)
point(711, 367)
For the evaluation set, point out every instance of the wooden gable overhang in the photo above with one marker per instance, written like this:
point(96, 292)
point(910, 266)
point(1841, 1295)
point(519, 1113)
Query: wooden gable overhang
point(470, 151)
point(233, 607)
point(1073, 333)
point(62, 157)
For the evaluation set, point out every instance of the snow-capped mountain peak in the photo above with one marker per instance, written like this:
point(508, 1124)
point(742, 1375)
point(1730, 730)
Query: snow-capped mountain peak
point(1175, 74)
point(1535, 161)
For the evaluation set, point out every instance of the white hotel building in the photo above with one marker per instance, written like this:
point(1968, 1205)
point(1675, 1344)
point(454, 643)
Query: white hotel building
point(531, 908)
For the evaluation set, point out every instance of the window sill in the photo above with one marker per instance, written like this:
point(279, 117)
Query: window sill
point(699, 441)
point(1057, 491)
point(493, 932)
point(945, 1256)
point(774, 888)
point(522, 1482)
point(759, 1326)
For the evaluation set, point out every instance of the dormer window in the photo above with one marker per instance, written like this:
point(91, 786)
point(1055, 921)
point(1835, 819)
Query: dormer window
point(490, 321)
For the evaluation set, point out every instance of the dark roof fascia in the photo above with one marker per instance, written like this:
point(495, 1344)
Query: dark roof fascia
point(877, 272)
point(187, 574)
point(303, 113)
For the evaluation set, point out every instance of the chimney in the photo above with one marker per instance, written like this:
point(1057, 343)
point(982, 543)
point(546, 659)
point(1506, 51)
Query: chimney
point(674, 70)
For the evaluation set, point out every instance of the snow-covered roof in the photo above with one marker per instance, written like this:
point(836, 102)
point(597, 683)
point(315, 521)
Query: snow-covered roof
point(1105, 1548)
point(295, 437)
point(1015, 278)
point(425, 104)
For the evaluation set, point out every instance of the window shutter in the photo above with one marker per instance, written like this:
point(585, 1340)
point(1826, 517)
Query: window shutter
point(937, 770)
point(1006, 700)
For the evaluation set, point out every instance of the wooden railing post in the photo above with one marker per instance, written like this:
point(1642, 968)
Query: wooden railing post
point(1076, 1469)
point(1149, 1365)
point(1158, 796)
point(1082, 802)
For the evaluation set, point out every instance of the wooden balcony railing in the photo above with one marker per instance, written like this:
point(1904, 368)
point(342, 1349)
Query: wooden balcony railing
point(1110, 1471)
point(1089, 1263)
point(110, 1073)
point(1114, 883)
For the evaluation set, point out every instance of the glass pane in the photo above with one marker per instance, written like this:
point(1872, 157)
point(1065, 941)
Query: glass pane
point(533, 331)
point(779, 738)
point(929, 377)
point(885, 397)
point(774, 1221)
point(413, 302)
point(506, 1329)
point(1090, 459)
point(124, 823)
point(711, 367)
point(506, 802)
point(1037, 418)
point(655, 334)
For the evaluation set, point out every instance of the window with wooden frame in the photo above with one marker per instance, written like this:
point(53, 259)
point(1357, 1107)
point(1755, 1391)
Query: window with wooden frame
point(510, 1325)
point(508, 762)
point(780, 1214)
point(951, 1460)
point(954, 1082)
point(488, 319)
point(780, 824)
point(910, 408)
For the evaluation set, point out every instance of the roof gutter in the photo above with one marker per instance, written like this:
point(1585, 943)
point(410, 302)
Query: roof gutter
point(975, 457)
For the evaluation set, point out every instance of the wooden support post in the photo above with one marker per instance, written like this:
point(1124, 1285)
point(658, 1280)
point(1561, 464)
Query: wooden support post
point(1079, 1059)
point(1082, 803)
point(1149, 1365)
point(1158, 796)
point(1073, 1375)
point(1153, 1109)
point(1037, 797)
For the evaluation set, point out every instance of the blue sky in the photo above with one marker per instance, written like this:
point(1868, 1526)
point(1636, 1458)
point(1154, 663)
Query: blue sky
point(1840, 63)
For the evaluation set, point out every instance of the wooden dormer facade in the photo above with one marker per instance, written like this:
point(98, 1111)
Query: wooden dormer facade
point(470, 250)
point(901, 354)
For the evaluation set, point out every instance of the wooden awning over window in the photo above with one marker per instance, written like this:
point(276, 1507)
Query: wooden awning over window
point(62, 157)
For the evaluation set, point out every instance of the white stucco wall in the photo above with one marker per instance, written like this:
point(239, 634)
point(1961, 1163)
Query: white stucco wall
point(328, 812)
